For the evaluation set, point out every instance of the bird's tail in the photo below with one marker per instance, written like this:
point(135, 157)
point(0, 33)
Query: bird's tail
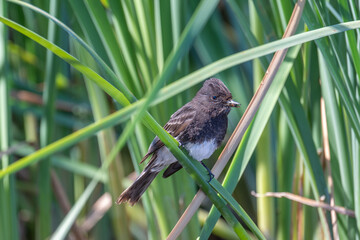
point(133, 193)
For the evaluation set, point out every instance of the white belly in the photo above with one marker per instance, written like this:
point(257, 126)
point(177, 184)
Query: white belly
point(197, 151)
point(201, 151)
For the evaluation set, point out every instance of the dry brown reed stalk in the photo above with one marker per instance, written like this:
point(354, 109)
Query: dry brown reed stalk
point(306, 201)
point(328, 167)
point(98, 210)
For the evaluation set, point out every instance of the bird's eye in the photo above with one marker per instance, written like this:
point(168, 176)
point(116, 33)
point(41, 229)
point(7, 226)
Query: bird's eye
point(214, 97)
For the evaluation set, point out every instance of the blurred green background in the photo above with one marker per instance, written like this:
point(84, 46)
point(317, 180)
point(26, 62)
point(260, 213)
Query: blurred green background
point(139, 47)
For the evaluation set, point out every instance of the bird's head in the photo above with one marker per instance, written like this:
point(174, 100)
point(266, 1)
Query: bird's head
point(215, 95)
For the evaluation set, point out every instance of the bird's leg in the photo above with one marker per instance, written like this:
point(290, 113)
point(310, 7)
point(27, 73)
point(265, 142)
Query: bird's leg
point(211, 175)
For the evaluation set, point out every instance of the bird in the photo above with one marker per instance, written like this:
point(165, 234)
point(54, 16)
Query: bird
point(199, 127)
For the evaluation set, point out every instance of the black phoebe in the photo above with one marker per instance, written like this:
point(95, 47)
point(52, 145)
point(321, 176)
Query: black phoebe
point(199, 126)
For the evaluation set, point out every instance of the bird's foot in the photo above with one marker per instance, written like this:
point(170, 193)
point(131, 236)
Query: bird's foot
point(211, 175)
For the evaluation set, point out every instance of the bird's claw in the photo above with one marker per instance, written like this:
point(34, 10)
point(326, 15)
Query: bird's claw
point(211, 175)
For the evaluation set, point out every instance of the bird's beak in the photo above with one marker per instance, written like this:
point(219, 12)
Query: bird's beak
point(232, 103)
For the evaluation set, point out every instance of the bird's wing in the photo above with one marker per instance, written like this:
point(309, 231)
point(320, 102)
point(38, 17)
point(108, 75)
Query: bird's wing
point(173, 168)
point(178, 122)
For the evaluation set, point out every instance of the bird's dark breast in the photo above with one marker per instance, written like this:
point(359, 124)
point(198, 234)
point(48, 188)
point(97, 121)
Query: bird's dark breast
point(205, 129)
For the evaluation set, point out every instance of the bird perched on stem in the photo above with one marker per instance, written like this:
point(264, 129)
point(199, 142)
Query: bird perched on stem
point(199, 127)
